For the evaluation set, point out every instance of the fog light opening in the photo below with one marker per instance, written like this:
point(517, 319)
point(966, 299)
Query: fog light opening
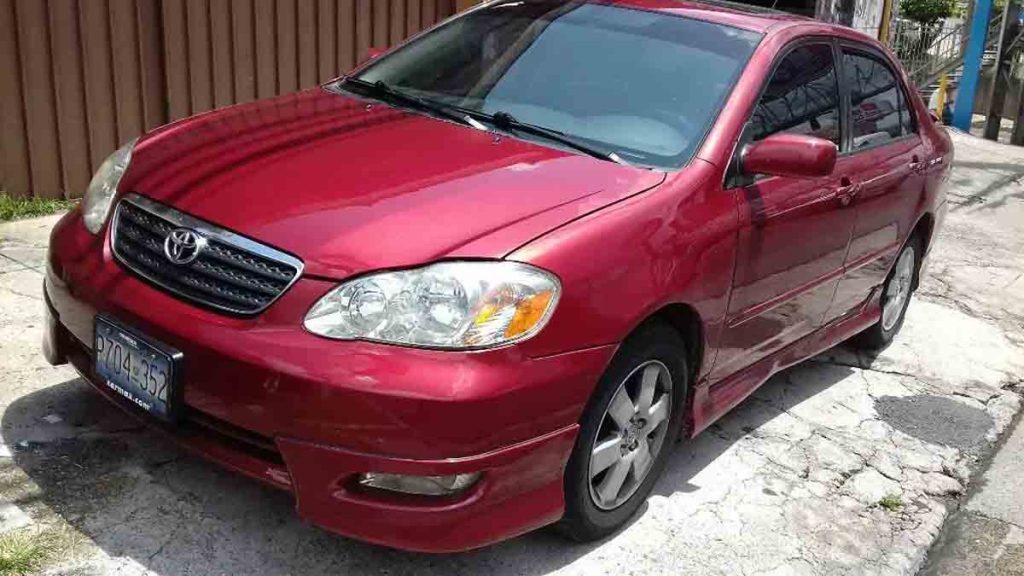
point(419, 485)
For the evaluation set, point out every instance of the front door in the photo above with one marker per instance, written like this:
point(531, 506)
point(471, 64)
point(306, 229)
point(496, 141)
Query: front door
point(794, 232)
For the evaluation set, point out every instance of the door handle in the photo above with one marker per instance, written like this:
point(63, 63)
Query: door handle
point(850, 190)
point(847, 191)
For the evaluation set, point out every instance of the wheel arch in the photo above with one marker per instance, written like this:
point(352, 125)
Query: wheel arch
point(925, 229)
point(686, 321)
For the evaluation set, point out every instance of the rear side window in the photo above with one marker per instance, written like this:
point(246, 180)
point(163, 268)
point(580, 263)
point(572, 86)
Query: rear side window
point(802, 96)
point(878, 108)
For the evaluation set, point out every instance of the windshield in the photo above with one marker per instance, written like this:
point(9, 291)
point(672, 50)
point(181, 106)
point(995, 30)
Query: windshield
point(641, 84)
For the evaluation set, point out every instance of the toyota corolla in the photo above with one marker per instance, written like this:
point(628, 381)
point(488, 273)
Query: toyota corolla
point(485, 282)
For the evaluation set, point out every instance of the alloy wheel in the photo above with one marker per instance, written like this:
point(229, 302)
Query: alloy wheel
point(631, 434)
point(897, 291)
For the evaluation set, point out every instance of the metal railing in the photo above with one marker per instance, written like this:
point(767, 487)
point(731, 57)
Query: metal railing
point(929, 51)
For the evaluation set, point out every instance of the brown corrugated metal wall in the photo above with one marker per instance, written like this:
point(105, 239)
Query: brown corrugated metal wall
point(79, 77)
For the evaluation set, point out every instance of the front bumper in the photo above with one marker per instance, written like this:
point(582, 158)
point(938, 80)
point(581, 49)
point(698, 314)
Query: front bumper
point(305, 414)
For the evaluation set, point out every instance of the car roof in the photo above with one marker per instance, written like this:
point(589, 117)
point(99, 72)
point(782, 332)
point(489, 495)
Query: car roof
point(746, 16)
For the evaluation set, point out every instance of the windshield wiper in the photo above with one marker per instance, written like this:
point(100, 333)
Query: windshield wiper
point(506, 121)
point(384, 91)
point(502, 120)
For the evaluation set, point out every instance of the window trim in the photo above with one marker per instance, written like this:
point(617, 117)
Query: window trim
point(734, 177)
point(845, 46)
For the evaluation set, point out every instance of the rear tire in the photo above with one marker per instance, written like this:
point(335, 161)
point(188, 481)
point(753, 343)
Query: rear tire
point(896, 295)
point(627, 433)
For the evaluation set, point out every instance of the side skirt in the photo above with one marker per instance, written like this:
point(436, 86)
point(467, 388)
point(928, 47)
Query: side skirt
point(712, 402)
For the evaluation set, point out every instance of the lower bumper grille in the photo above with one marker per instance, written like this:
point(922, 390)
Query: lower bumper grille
point(212, 266)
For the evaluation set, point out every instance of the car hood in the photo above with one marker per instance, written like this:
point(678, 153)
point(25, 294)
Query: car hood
point(348, 187)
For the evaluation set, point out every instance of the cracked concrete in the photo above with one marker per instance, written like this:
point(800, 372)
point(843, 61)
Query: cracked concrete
point(987, 535)
point(846, 464)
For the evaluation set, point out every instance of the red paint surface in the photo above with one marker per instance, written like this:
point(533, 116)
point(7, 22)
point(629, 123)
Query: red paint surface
point(793, 155)
point(773, 272)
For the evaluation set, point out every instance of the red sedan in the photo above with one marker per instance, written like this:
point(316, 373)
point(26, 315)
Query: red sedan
point(485, 282)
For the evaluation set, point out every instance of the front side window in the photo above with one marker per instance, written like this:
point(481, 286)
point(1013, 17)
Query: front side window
point(643, 84)
point(877, 106)
point(802, 96)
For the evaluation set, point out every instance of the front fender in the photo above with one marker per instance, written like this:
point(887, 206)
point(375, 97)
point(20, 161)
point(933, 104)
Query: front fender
point(620, 265)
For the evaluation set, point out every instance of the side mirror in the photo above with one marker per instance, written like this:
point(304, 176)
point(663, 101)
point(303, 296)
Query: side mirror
point(792, 155)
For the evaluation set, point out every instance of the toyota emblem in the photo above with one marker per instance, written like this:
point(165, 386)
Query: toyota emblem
point(183, 245)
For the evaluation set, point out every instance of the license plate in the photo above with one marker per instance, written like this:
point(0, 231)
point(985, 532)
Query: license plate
point(137, 368)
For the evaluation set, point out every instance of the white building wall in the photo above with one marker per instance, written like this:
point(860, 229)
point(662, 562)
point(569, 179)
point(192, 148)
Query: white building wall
point(867, 16)
point(863, 15)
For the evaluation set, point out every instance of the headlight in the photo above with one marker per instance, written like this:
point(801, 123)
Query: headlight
point(445, 305)
point(100, 195)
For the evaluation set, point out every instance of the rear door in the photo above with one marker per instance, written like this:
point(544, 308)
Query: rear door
point(793, 232)
point(884, 165)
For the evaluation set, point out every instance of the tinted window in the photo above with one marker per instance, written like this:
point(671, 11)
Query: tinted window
point(644, 84)
point(802, 96)
point(877, 105)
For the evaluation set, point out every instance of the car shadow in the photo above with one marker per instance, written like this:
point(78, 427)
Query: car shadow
point(144, 501)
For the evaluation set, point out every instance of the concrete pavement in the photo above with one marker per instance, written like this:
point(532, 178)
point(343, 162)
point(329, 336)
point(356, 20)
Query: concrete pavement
point(999, 495)
point(846, 464)
point(987, 535)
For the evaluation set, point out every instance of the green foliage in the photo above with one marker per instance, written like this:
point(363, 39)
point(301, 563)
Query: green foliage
point(14, 208)
point(891, 503)
point(927, 11)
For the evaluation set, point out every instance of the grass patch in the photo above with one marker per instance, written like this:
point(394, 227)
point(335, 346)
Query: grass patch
point(33, 549)
point(12, 208)
point(26, 551)
point(891, 503)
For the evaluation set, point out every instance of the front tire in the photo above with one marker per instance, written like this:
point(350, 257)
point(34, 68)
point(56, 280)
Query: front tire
point(626, 434)
point(896, 293)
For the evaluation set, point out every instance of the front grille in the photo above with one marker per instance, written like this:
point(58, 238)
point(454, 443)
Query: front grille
point(231, 273)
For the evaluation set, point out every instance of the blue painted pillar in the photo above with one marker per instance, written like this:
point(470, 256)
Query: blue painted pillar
point(964, 107)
